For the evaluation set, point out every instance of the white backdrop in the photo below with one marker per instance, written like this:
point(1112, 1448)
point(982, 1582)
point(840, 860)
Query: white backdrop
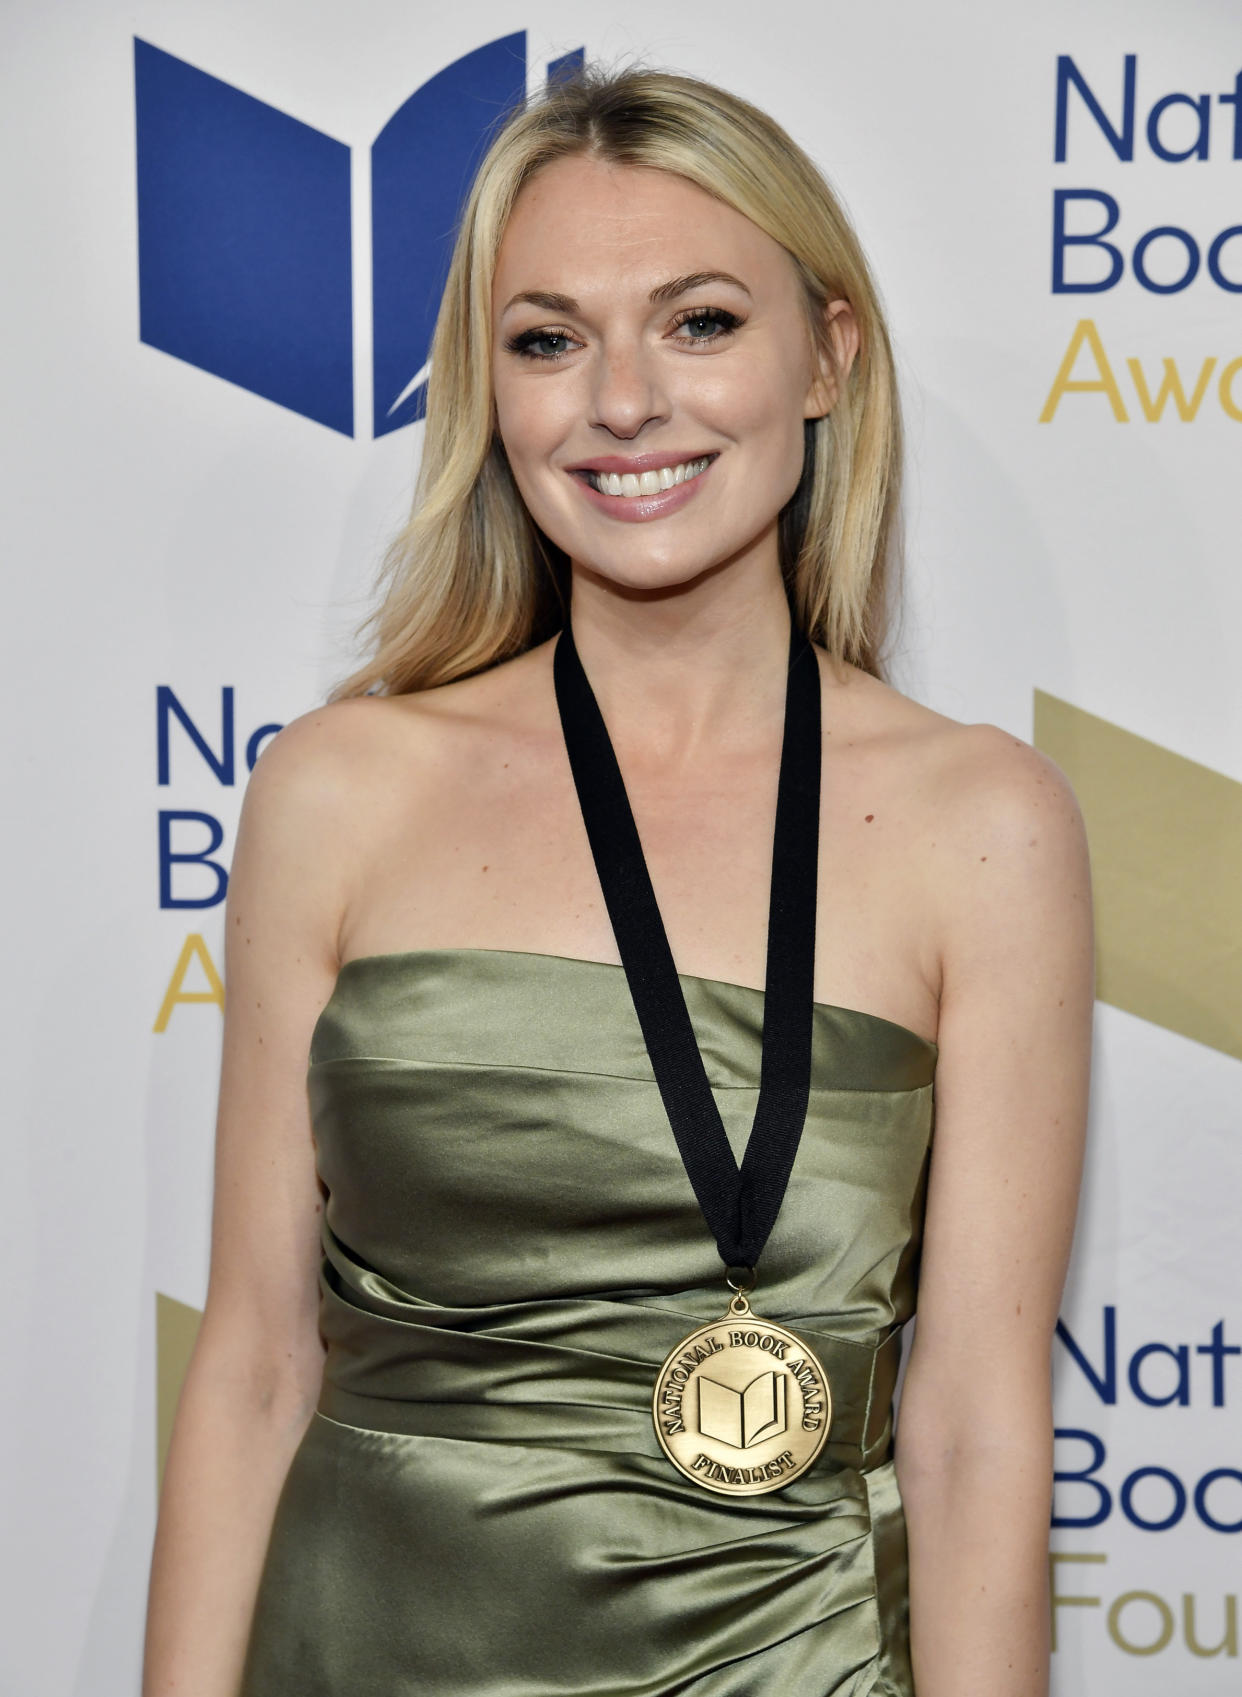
point(170, 526)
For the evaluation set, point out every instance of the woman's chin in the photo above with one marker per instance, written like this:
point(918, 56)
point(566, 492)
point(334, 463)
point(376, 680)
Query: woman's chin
point(649, 580)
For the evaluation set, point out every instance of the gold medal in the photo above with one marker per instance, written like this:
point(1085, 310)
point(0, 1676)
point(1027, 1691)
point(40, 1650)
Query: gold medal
point(742, 1405)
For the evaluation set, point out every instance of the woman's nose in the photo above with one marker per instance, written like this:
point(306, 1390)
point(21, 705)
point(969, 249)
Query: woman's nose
point(626, 391)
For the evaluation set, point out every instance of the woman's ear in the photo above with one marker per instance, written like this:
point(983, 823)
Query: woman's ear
point(843, 338)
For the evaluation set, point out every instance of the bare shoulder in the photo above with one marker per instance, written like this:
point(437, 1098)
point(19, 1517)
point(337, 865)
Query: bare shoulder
point(345, 754)
point(1008, 808)
point(990, 831)
point(976, 784)
point(303, 753)
point(345, 787)
point(331, 749)
point(1015, 896)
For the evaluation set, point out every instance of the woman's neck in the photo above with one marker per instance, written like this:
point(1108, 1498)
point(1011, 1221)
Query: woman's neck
point(680, 674)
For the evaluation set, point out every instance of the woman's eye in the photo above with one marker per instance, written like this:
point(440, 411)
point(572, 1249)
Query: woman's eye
point(699, 325)
point(707, 324)
point(541, 344)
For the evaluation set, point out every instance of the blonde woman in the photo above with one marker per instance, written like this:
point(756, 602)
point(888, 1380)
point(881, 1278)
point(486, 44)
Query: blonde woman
point(554, 1316)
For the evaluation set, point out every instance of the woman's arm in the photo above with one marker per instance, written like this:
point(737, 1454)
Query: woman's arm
point(255, 1372)
point(974, 1445)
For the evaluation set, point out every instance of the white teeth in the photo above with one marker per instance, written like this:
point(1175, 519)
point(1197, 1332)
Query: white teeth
point(629, 483)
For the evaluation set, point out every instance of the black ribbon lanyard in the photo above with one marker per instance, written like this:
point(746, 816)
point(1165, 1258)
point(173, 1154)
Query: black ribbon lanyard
point(740, 1206)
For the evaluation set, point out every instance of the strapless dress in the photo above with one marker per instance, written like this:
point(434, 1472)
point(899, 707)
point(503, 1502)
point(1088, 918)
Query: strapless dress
point(479, 1506)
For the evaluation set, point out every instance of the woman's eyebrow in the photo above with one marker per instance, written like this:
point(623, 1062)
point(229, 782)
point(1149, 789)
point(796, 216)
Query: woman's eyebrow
point(663, 292)
point(696, 280)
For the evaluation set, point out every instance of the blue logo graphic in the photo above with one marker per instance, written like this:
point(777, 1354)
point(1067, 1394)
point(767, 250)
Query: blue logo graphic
point(244, 229)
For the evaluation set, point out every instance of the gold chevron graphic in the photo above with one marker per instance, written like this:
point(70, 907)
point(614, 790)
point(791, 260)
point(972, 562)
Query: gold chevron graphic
point(176, 1327)
point(1166, 862)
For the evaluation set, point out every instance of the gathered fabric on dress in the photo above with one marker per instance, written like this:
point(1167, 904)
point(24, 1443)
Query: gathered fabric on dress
point(479, 1506)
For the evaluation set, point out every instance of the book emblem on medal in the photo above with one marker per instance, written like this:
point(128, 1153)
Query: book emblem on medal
point(742, 1418)
point(742, 1406)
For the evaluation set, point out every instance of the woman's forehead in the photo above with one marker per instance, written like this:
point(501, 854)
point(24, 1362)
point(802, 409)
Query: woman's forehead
point(582, 223)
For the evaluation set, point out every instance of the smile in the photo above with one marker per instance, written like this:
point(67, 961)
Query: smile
point(629, 484)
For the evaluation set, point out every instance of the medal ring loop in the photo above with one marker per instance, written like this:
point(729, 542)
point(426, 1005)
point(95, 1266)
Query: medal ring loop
point(740, 1280)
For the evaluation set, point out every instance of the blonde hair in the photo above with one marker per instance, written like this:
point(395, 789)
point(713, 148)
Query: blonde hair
point(470, 580)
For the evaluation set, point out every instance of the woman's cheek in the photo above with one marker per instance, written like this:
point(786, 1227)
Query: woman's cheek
point(532, 425)
point(744, 400)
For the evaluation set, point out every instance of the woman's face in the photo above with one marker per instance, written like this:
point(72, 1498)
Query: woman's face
point(653, 367)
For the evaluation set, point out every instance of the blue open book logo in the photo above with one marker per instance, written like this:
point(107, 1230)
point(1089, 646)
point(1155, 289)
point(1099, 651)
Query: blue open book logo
point(245, 229)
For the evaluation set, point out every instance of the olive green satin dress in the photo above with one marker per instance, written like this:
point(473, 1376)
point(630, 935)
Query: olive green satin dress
point(479, 1506)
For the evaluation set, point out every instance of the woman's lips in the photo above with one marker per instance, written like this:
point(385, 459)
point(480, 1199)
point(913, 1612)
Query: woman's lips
point(638, 509)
